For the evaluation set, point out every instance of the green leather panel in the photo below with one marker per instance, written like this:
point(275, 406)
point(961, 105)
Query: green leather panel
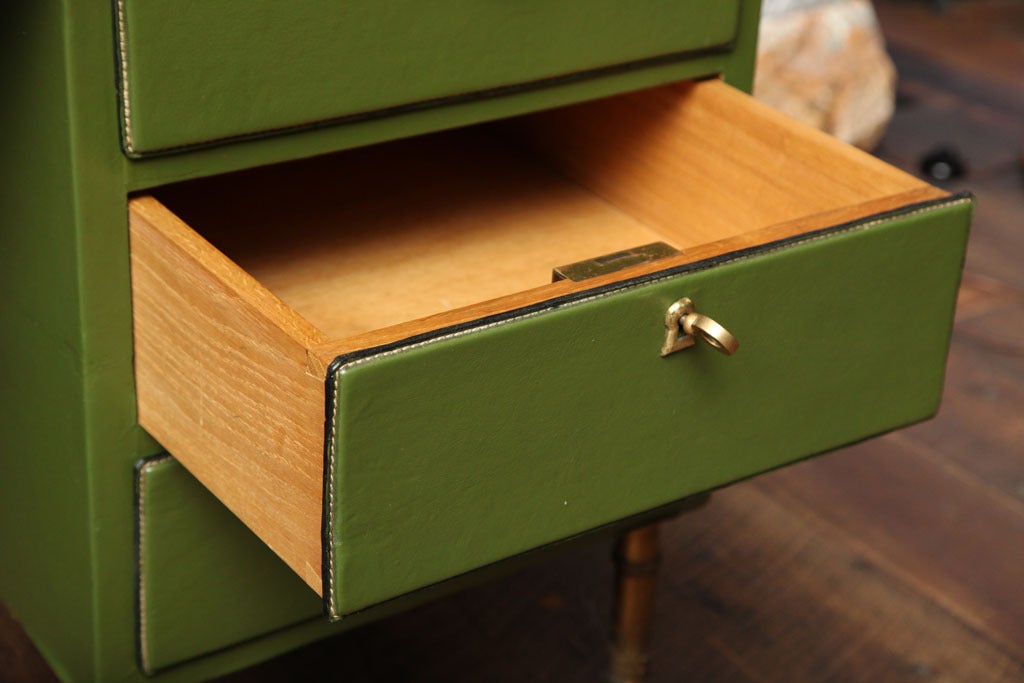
point(206, 584)
point(161, 169)
point(68, 430)
point(46, 573)
point(454, 452)
point(736, 67)
point(198, 72)
point(205, 581)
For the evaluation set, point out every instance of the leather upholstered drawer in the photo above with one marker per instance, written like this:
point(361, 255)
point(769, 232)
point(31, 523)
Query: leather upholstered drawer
point(197, 569)
point(220, 70)
point(364, 358)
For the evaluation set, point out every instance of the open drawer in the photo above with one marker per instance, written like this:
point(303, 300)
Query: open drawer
point(474, 408)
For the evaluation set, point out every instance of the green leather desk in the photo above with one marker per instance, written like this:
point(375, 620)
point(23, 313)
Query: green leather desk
point(551, 415)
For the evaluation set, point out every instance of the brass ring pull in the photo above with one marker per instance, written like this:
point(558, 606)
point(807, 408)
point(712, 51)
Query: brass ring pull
point(683, 326)
point(711, 332)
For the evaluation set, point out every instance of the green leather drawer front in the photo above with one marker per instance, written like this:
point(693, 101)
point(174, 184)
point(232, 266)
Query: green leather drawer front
point(197, 73)
point(198, 571)
point(451, 451)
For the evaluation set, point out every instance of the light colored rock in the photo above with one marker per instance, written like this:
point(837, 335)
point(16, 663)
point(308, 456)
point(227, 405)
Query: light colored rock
point(770, 8)
point(825, 64)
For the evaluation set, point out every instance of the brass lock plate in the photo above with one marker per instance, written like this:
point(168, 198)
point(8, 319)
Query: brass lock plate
point(610, 263)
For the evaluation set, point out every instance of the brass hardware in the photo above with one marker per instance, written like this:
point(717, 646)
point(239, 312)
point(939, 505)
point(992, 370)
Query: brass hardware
point(675, 339)
point(609, 263)
point(683, 326)
point(637, 558)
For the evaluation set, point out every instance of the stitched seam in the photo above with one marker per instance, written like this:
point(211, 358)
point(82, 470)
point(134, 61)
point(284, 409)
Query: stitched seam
point(392, 352)
point(331, 607)
point(143, 642)
point(782, 247)
point(122, 44)
point(415, 106)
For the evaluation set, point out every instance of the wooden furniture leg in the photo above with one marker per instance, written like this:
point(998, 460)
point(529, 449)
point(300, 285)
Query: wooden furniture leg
point(637, 559)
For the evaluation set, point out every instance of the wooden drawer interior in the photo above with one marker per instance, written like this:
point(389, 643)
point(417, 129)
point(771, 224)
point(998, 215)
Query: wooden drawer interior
point(419, 227)
point(247, 286)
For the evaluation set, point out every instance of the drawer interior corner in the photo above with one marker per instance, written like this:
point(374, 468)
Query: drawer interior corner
point(405, 230)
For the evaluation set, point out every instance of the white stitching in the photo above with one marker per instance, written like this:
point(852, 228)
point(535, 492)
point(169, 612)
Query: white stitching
point(332, 608)
point(758, 254)
point(391, 352)
point(361, 115)
point(126, 106)
point(143, 642)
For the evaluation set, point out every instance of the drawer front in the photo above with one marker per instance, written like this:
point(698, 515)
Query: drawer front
point(198, 569)
point(454, 451)
point(221, 69)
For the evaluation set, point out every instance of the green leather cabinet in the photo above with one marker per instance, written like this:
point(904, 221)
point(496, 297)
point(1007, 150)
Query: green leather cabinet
point(122, 566)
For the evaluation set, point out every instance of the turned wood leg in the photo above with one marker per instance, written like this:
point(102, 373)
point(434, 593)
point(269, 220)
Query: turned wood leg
point(637, 558)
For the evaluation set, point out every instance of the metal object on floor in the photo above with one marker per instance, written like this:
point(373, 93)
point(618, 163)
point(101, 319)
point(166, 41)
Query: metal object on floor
point(943, 163)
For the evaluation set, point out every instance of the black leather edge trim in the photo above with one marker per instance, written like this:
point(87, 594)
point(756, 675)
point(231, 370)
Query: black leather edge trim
point(332, 369)
point(658, 275)
point(328, 489)
point(421, 105)
point(140, 468)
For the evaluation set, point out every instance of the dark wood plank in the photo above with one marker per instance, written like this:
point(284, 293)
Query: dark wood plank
point(946, 533)
point(962, 87)
point(981, 37)
point(980, 427)
point(787, 598)
point(996, 247)
point(928, 116)
point(980, 294)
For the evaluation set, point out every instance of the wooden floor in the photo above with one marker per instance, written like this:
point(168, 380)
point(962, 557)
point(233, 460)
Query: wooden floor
point(900, 559)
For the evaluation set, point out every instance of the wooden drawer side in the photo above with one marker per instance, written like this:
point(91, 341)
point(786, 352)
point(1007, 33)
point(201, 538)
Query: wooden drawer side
point(222, 382)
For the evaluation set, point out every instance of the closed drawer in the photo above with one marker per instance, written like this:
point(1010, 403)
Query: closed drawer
point(363, 355)
point(221, 69)
point(197, 569)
